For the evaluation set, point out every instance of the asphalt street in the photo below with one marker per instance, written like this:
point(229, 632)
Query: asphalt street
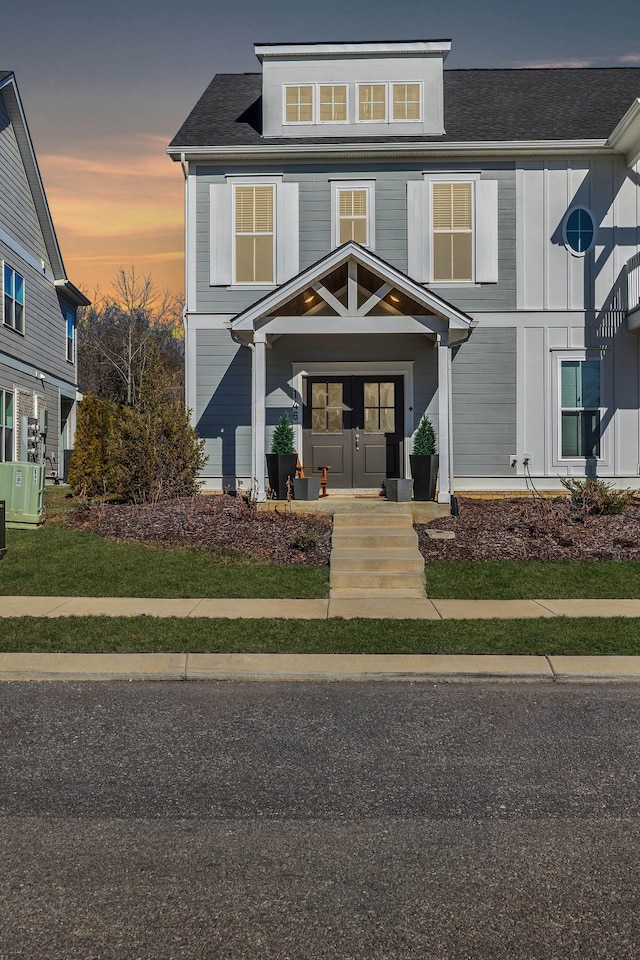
point(359, 821)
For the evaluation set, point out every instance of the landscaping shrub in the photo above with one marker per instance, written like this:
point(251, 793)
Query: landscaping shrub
point(424, 442)
point(595, 496)
point(282, 441)
point(304, 540)
point(89, 473)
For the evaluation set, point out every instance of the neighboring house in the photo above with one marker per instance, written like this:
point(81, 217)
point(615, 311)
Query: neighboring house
point(370, 236)
point(37, 302)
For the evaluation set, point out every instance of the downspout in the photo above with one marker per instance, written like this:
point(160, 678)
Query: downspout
point(186, 268)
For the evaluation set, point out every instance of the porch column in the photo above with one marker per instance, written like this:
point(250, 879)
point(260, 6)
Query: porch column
point(444, 420)
point(259, 371)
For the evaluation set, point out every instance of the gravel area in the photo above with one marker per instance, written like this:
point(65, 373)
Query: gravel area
point(532, 528)
point(212, 523)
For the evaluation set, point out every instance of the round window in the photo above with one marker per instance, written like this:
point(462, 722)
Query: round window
point(579, 230)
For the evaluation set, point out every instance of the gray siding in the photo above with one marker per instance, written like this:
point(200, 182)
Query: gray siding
point(390, 228)
point(44, 342)
point(222, 412)
point(17, 210)
point(484, 403)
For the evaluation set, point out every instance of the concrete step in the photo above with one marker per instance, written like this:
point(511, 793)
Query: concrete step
point(380, 539)
point(400, 521)
point(393, 561)
point(376, 581)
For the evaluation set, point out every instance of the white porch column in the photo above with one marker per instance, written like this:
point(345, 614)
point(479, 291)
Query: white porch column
point(444, 420)
point(259, 372)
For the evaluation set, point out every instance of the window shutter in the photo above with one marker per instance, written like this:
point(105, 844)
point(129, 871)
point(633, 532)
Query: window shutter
point(220, 234)
point(1, 291)
point(419, 230)
point(487, 231)
point(287, 232)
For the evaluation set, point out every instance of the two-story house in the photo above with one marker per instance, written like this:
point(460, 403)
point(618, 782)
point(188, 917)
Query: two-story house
point(38, 304)
point(370, 236)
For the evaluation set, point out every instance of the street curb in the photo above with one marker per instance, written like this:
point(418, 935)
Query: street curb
point(315, 667)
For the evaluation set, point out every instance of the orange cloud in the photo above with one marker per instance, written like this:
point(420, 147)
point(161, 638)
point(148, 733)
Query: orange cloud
point(117, 203)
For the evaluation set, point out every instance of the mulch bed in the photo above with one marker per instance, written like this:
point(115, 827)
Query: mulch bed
point(504, 529)
point(211, 523)
point(532, 529)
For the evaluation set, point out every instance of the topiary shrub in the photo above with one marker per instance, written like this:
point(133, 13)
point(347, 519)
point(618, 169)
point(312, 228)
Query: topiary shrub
point(282, 441)
point(596, 497)
point(424, 441)
point(89, 473)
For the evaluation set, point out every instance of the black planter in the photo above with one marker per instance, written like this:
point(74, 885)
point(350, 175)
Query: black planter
point(3, 542)
point(306, 488)
point(424, 470)
point(280, 468)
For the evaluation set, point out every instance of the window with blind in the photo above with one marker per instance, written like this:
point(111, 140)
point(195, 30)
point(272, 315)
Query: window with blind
point(353, 216)
point(333, 104)
point(452, 212)
point(6, 425)
point(372, 102)
point(406, 101)
point(13, 299)
point(298, 104)
point(254, 234)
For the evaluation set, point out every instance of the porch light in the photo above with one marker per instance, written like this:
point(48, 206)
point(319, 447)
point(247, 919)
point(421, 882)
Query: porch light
point(309, 297)
point(394, 298)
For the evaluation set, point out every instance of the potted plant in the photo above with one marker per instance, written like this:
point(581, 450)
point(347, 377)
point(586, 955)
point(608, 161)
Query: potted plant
point(282, 461)
point(398, 489)
point(424, 461)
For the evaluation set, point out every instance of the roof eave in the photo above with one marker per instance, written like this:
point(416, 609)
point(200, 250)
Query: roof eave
point(625, 137)
point(354, 150)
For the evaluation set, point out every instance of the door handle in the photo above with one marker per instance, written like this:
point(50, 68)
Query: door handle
point(357, 438)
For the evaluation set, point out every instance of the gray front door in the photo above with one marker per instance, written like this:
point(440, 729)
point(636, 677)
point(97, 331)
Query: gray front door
point(354, 426)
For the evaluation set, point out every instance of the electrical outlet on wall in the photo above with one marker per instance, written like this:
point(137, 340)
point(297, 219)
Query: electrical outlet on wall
point(513, 460)
point(527, 459)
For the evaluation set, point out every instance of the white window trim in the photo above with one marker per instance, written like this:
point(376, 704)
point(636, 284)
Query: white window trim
point(392, 84)
point(561, 356)
point(336, 187)
point(471, 178)
point(13, 394)
point(253, 182)
point(328, 123)
point(71, 359)
point(570, 249)
point(314, 97)
point(372, 83)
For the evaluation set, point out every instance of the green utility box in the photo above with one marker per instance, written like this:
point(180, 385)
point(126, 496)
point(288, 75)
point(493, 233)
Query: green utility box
point(3, 538)
point(22, 489)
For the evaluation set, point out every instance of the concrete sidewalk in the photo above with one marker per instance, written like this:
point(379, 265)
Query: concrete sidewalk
point(335, 667)
point(322, 609)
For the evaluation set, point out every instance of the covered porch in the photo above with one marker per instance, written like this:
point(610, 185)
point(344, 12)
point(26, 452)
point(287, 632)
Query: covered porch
point(351, 334)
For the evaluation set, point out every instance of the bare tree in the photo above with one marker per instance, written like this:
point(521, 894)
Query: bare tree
point(116, 334)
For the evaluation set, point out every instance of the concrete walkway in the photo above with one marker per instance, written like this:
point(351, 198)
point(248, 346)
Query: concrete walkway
point(322, 609)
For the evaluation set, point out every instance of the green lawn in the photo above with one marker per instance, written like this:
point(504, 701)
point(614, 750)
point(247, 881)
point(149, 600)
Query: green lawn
point(533, 579)
point(147, 634)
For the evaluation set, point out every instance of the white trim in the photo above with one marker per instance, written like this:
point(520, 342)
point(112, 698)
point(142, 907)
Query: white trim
point(457, 178)
point(579, 253)
point(234, 235)
point(190, 186)
point(276, 51)
point(403, 368)
point(38, 264)
point(337, 186)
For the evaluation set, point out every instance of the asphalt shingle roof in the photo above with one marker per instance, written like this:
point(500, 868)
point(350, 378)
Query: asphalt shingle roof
point(4, 74)
point(479, 105)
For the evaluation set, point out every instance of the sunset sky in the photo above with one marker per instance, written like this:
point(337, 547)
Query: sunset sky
point(106, 84)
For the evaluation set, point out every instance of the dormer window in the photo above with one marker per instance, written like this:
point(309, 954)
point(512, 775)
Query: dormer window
point(333, 104)
point(372, 102)
point(406, 101)
point(298, 104)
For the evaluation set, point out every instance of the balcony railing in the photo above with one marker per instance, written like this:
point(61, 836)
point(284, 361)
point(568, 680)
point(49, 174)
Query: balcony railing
point(633, 284)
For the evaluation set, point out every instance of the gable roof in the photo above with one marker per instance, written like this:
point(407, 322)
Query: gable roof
point(479, 106)
point(436, 306)
point(9, 91)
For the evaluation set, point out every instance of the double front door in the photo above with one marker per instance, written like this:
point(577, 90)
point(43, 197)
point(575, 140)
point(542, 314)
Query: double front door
point(354, 426)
